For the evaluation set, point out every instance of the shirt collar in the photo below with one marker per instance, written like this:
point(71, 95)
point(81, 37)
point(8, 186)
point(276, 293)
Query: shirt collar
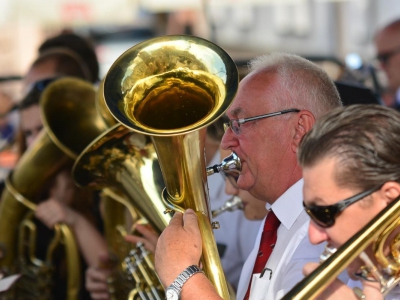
point(289, 206)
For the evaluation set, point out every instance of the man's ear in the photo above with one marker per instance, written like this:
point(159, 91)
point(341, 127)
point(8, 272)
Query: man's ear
point(391, 191)
point(304, 122)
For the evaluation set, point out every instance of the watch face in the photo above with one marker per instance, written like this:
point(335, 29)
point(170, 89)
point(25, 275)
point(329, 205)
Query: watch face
point(171, 294)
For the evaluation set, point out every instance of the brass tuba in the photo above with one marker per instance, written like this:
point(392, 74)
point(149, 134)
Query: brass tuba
point(376, 232)
point(124, 164)
point(70, 123)
point(171, 88)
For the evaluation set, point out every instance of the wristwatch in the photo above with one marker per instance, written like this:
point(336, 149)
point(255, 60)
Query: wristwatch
point(173, 292)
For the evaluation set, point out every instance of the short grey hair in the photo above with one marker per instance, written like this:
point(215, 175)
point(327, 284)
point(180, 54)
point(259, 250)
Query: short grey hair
point(363, 139)
point(303, 84)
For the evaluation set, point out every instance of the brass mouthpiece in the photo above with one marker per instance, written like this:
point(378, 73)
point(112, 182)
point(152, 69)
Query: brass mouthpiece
point(232, 204)
point(228, 164)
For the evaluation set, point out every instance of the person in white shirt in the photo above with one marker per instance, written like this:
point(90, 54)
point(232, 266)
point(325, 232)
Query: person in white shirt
point(276, 104)
point(351, 170)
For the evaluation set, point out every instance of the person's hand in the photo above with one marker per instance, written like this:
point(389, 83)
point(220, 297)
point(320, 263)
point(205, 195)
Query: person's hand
point(338, 290)
point(96, 279)
point(178, 247)
point(149, 237)
point(51, 212)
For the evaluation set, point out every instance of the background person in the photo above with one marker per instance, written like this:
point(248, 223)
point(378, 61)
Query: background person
point(61, 201)
point(351, 153)
point(387, 44)
point(276, 104)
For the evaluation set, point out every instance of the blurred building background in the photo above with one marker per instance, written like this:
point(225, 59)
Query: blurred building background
point(337, 34)
point(331, 31)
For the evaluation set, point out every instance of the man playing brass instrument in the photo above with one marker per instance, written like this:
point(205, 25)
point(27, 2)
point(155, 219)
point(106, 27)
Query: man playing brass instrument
point(351, 170)
point(276, 104)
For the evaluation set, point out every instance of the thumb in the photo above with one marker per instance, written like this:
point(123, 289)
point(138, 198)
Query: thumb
point(190, 220)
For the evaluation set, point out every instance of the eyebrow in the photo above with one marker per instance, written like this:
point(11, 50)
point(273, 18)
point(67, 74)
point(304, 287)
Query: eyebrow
point(314, 202)
point(235, 112)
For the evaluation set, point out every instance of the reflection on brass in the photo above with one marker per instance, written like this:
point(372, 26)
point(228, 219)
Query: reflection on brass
point(124, 165)
point(376, 232)
point(70, 123)
point(171, 88)
point(230, 164)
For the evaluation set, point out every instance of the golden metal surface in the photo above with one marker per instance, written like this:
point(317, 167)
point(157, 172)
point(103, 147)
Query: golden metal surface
point(171, 88)
point(70, 123)
point(127, 162)
point(124, 164)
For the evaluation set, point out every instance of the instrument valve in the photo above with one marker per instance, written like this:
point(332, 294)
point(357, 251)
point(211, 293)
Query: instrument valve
point(215, 225)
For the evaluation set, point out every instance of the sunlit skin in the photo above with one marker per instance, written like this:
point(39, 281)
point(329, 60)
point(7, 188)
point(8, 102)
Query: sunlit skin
point(266, 144)
point(31, 123)
point(320, 188)
point(387, 41)
point(254, 209)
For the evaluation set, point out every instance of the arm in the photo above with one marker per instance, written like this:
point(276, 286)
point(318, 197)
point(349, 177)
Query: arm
point(90, 241)
point(96, 279)
point(178, 247)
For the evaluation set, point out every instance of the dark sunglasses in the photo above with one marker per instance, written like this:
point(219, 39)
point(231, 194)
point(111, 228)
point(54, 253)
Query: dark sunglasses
point(384, 57)
point(42, 84)
point(324, 216)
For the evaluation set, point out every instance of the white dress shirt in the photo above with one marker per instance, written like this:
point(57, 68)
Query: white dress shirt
point(291, 252)
point(236, 236)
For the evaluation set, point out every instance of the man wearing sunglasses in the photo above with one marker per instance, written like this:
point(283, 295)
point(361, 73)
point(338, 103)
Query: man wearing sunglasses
point(351, 171)
point(387, 43)
point(276, 104)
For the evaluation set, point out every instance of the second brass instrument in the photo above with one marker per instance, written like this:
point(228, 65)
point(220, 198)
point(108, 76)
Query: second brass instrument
point(124, 164)
point(70, 123)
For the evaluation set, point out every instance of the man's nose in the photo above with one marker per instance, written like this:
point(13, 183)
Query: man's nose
point(316, 234)
point(229, 140)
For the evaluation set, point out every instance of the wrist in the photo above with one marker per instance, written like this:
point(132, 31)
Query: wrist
point(173, 292)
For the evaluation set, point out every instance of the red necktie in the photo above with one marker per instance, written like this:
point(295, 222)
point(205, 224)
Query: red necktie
point(267, 243)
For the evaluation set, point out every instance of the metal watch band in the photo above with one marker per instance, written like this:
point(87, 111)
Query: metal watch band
point(184, 276)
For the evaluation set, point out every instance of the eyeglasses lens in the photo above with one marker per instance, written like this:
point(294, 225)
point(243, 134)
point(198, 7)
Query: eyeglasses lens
point(323, 216)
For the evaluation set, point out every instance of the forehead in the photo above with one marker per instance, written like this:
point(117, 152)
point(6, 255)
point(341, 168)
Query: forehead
point(388, 39)
point(253, 96)
point(319, 179)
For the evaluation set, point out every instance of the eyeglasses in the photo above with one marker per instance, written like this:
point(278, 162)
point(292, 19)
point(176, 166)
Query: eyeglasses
point(40, 85)
point(384, 57)
point(325, 216)
point(236, 123)
point(232, 177)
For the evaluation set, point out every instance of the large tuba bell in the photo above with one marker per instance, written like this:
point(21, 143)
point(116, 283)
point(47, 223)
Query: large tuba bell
point(376, 232)
point(70, 123)
point(171, 88)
